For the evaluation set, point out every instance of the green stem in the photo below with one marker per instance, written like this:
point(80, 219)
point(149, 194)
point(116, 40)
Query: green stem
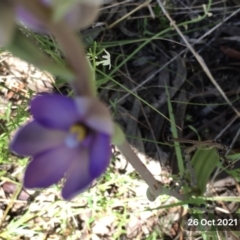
point(70, 44)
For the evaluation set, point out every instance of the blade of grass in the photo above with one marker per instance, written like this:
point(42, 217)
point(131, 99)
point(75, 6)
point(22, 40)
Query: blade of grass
point(174, 133)
point(134, 94)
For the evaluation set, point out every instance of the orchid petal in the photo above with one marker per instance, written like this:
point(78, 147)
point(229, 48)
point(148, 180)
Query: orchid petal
point(78, 177)
point(33, 138)
point(49, 167)
point(54, 111)
point(96, 114)
point(48, 140)
point(100, 154)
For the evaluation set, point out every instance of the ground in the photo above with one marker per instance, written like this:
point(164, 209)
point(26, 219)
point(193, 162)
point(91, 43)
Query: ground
point(141, 63)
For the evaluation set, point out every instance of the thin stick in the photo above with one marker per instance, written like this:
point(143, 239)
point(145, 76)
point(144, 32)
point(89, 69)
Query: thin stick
point(129, 14)
point(181, 140)
point(210, 143)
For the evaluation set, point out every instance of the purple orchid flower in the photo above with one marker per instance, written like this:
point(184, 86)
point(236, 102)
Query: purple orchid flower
point(67, 138)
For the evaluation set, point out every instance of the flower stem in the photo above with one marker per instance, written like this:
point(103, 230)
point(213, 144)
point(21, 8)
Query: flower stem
point(75, 55)
point(155, 187)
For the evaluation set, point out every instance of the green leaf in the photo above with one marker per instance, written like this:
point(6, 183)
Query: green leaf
point(204, 161)
point(118, 137)
point(24, 48)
